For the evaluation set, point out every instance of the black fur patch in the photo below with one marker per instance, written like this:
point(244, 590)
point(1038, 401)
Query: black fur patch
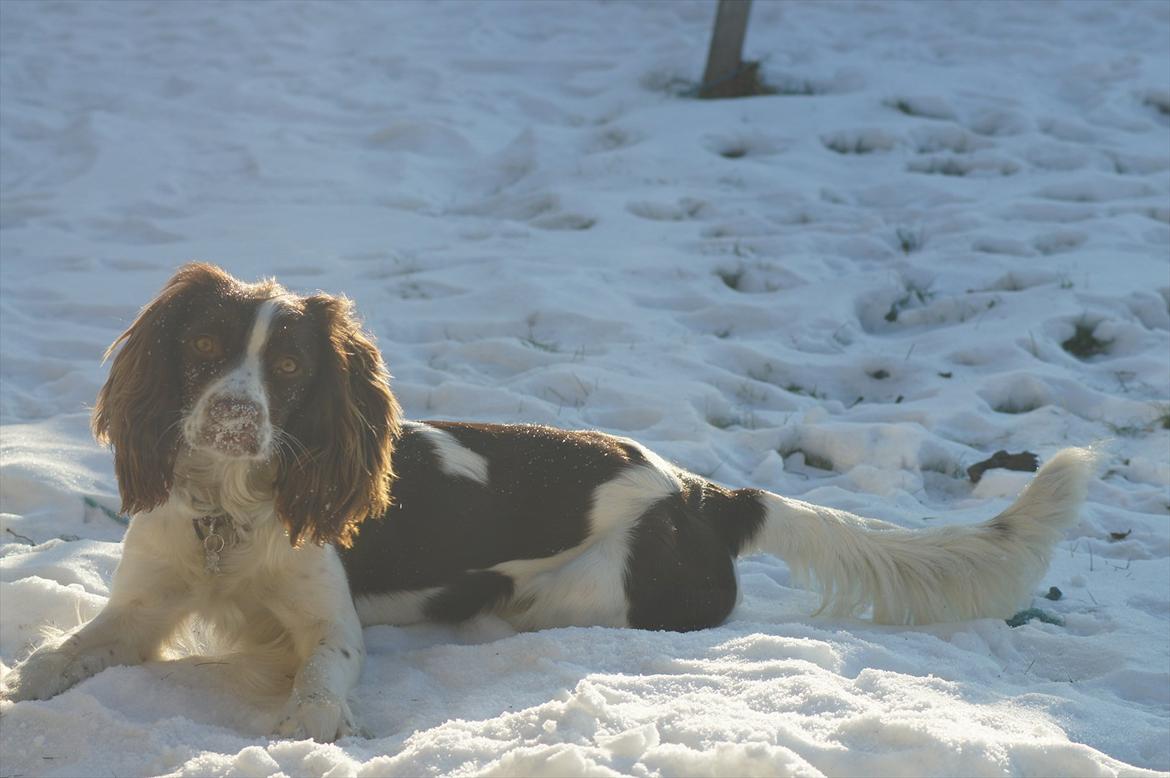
point(680, 574)
point(469, 595)
point(536, 504)
point(737, 515)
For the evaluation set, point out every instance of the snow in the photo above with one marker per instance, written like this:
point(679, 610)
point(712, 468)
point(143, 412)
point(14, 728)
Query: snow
point(849, 292)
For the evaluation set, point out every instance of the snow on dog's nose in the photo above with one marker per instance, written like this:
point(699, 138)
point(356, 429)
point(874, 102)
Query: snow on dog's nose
point(232, 426)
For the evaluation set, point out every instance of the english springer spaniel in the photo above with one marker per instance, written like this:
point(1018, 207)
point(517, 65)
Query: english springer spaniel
point(278, 499)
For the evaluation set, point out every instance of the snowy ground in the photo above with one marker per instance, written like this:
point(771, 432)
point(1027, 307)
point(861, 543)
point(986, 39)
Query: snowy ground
point(850, 292)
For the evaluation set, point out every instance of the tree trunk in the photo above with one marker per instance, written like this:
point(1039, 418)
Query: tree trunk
point(726, 75)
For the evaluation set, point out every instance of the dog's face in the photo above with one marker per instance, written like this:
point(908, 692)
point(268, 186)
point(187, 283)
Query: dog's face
point(246, 365)
point(251, 372)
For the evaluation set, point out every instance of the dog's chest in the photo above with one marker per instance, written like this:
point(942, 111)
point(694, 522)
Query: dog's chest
point(220, 558)
point(217, 535)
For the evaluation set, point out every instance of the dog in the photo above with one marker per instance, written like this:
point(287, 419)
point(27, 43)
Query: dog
point(278, 497)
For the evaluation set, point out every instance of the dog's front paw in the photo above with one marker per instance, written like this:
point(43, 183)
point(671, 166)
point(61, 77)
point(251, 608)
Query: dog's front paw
point(320, 715)
point(45, 674)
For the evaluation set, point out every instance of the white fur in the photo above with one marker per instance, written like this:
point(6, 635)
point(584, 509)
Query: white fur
point(268, 601)
point(633, 490)
point(258, 337)
point(941, 574)
point(586, 585)
point(455, 459)
point(402, 607)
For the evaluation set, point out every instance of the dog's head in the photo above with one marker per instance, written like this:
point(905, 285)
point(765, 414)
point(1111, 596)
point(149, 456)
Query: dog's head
point(245, 371)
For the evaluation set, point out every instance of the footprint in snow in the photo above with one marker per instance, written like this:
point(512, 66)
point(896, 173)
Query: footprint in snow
point(859, 141)
point(1059, 242)
point(964, 166)
point(539, 209)
point(1005, 246)
point(997, 122)
point(611, 139)
point(564, 221)
point(1095, 190)
point(1138, 165)
point(747, 144)
point(1073, 132)
point(1157, 101)
point(757, 278)
point(684, 209)
point(1016, 394)
point(1057, 157)
point(427, 139)
point(925, 107)
point(933, 138)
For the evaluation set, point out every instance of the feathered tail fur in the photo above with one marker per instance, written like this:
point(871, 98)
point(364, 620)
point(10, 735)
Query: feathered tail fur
point(932, 575)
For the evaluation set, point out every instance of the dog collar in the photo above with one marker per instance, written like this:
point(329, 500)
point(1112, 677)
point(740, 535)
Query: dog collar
point(215, 533)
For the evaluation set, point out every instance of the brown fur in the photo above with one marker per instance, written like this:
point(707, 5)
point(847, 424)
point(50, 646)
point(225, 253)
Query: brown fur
point(345, 425)
point(138, 409)
point(348, 430)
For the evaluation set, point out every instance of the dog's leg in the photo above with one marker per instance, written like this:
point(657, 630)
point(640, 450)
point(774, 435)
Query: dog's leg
point(319, 615)
point(129, 630)
point(147, 602)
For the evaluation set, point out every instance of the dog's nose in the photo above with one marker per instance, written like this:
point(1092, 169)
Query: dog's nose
point(240, 409)
point(233, 425)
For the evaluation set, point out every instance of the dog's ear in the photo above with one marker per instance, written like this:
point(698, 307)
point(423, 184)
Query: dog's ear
point(137, 410)
point(345, 428)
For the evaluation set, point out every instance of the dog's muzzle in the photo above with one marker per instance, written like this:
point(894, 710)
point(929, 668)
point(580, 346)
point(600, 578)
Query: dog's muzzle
point(232, 426)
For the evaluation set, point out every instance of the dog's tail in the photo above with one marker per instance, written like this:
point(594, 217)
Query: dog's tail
point(931, 575)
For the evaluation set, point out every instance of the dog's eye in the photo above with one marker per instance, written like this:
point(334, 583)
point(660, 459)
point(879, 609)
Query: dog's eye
point(287, 366)
point(205, 346)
